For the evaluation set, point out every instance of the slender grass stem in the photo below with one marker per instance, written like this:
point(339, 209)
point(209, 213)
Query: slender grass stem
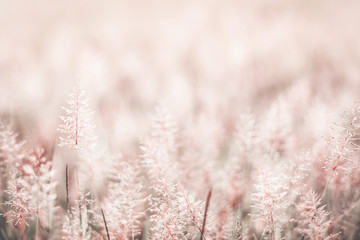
point(205, 213)
point(107, 230)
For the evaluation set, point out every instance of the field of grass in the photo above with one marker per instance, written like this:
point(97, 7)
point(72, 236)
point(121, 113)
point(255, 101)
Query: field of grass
point(211, 120)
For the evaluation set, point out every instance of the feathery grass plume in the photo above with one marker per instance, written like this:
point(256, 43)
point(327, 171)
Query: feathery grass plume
point(159, 146)
point(270, 203)
point(276, 128)
point(171, 218)
point(343, 146)
point(163, 128)
point(37, 171)
point(18, 208)
point(246, 135)
point(154, 159)
point(79, 221)
point(11, 153)
point(314, 220)
point(239, 166)
point(125, 202)
point(192, 212)
point(76, 129)
point(340, 170)
point(298, 169)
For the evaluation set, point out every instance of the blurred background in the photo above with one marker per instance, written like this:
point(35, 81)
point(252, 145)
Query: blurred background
point(208, 61)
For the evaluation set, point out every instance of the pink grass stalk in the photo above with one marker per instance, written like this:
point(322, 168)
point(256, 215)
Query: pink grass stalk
point(22, 226)
point(67, 188)
point(106, 227)
point(205, 213)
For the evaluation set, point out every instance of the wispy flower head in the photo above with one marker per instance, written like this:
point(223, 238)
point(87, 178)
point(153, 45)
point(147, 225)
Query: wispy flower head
point(76, 129)
point(314, 219)
point(270, 202)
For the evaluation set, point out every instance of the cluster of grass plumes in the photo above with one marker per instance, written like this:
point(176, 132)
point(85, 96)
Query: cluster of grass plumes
point(193, 120)
point(268, 177)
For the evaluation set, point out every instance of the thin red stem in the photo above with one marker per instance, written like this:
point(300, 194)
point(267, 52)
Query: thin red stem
point(22, 227)
point(205, 213)
point(77, 175)
point(77, 118)
point(67, 189)
point(107, 231)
